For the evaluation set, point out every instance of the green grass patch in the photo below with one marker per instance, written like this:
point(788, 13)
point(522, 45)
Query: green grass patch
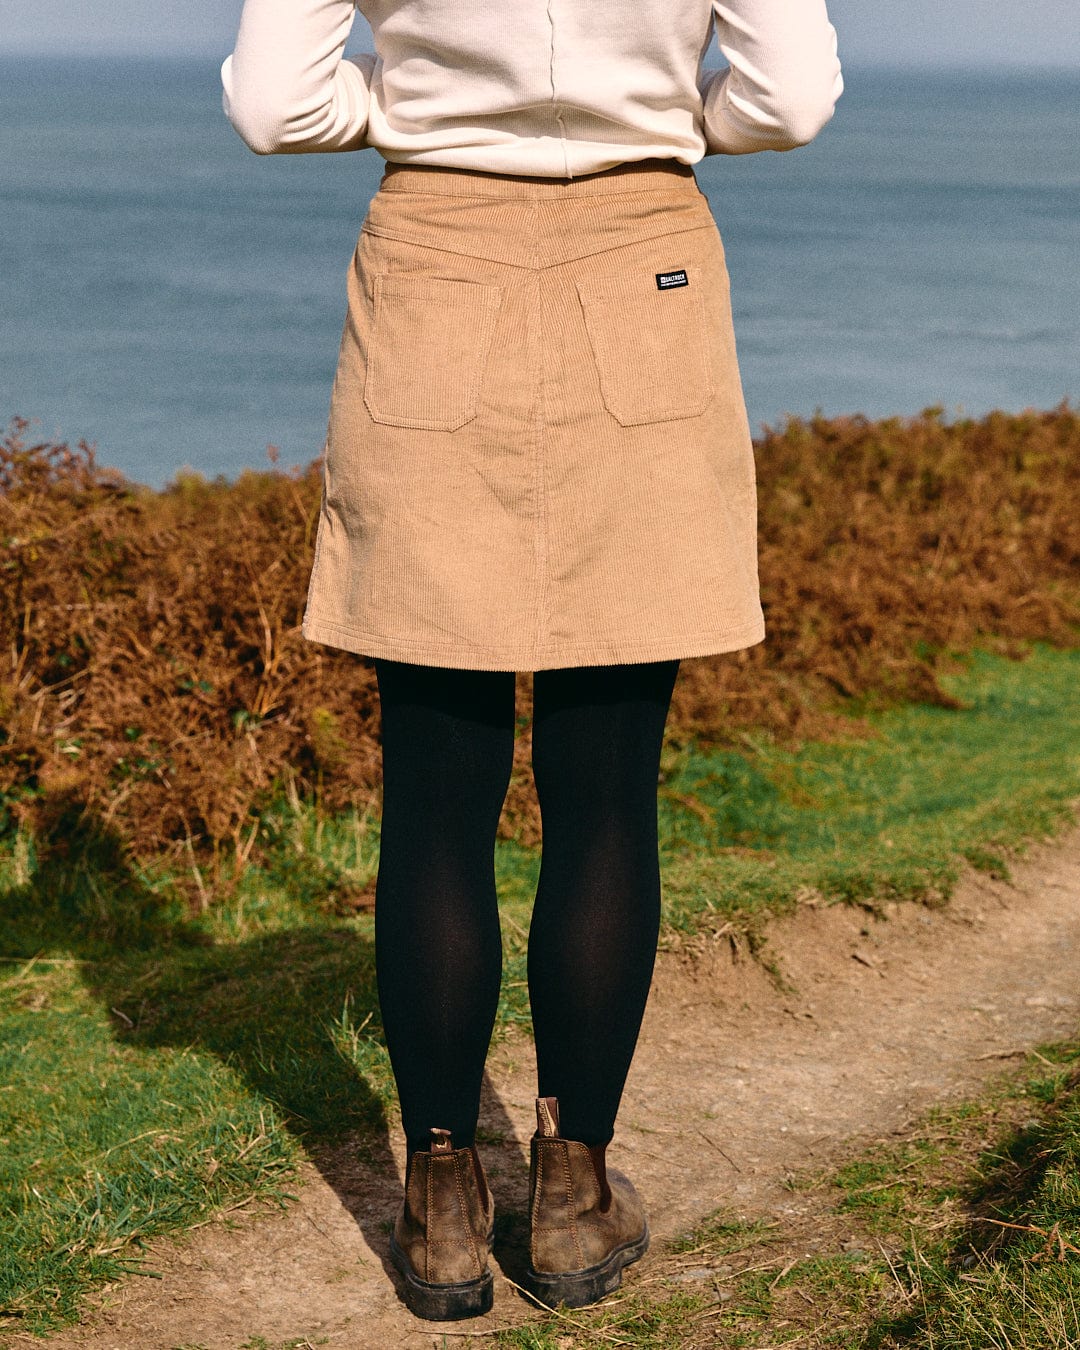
point(104, 1145)
point(1001, 1265)
point(158, 1066)
point(893, 816)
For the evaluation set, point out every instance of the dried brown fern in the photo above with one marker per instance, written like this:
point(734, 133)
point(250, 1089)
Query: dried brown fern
point(152, 662)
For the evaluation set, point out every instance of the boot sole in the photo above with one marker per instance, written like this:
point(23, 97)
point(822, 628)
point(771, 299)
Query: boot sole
point(579, 1288)
point(443, 1302)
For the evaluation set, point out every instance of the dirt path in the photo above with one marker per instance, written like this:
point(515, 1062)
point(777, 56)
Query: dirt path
point(734, 1086)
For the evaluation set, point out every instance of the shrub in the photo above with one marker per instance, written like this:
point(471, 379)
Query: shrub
point(153, 665)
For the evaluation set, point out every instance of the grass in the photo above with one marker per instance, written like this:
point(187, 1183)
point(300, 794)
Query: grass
point(893, 816)
point(997, 1263)
point(106, 1145)
point(158, 1067)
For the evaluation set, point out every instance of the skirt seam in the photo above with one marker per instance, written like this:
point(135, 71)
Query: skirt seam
point(540, 444)
point(671, 186)
point(440, 248)
point(538, 267)
point(748, 634)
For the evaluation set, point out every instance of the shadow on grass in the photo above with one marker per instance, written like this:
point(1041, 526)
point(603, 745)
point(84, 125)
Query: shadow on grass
point(1015, 1200)
point(294, 1013)
point(1014, 1251)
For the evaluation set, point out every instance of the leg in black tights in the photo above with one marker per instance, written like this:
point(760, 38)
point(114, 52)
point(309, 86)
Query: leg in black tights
point(448, 740)
point(448, 746)
point(597, 736)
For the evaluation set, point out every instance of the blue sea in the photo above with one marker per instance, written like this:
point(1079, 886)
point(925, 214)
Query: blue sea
point(177, 300)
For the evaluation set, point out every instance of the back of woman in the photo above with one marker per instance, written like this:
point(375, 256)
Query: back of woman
point(537, 459)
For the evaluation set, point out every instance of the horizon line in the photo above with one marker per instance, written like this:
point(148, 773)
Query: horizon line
point(84, 53)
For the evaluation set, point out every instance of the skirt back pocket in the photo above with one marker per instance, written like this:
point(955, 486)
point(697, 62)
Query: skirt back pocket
point(429, 346)
point(650, 347)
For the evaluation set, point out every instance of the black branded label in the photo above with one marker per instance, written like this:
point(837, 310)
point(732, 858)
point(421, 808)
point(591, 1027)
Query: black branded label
point(666, 280)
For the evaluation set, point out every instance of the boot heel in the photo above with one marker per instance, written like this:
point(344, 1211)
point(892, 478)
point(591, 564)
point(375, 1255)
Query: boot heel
point(443, 1302)
point(579, 1288)
point(442, 1235)
point(587, 1220)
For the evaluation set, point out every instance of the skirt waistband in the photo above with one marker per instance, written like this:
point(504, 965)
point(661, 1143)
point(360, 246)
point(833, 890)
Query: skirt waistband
point(643, 175)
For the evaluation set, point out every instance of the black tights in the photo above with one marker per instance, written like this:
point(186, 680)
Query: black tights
point(448, 742)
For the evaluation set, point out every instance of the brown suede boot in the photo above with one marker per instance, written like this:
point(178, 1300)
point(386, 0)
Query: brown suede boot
point(587, 1220)
point(442, 1236)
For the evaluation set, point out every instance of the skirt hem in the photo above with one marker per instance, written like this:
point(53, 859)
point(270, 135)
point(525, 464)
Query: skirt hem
point(614, 652)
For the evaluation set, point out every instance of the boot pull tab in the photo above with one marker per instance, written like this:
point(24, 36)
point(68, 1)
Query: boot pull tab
point(441, 1141)
point(547, 1117)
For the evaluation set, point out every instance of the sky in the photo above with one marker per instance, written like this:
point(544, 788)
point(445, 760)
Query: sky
point(918, 32)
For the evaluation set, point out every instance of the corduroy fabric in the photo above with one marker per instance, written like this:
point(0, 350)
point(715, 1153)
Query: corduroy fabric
point(536, 456)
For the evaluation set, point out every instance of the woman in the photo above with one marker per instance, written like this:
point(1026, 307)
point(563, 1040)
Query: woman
point(538, 459)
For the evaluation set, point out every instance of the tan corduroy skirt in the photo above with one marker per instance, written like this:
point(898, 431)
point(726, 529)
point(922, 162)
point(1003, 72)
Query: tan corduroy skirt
point(538, 452)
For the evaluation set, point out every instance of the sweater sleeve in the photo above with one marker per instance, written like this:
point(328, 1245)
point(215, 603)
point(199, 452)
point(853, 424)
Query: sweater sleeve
point(782, 79)
point(286, 89)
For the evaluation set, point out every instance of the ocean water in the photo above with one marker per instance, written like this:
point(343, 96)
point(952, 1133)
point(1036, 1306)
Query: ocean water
point(177, 300)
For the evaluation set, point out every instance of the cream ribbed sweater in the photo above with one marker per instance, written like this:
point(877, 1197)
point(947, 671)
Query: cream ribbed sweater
point(554, 88)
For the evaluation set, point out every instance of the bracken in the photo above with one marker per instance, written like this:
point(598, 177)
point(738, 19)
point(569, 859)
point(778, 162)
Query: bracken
point(153, 670)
